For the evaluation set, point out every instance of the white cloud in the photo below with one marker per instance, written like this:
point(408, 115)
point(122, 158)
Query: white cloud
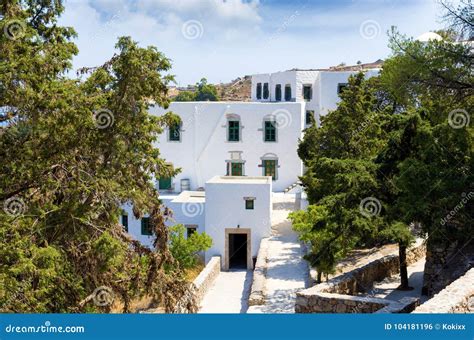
point(242, 37)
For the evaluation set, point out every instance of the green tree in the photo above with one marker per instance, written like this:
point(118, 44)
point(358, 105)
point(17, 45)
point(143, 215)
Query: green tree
point(340, 173)
point(185, 96)
point(72, 153)
point(186, 250)
point(206, 91)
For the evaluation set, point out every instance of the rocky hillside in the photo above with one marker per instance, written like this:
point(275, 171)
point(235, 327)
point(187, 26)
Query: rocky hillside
point(237, 90)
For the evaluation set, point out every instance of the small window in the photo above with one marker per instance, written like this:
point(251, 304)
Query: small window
point(125, 222)
point(190, 230)
point(164, 183)
point(175, 133)
point(287, 92)
point(259, 90)
point(249, 204)
point(270, 131)
point(341, 87)
point(234, 131)
point(235, 169)
point(278, 92)
point(266, 92)
point(307, 92)
point(309, 117)
point(146, 226)
point(269, 168)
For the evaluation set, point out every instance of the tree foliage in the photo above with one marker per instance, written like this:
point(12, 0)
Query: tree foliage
point(414, 155)
point(73, 151)
point(204, 92)
point(186, 249)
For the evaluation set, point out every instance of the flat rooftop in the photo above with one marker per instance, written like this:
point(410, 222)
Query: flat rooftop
point(240, 180)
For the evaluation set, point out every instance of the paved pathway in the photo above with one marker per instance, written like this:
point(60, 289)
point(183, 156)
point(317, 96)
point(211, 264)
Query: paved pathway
point(287, 270)
point(387, 289)
point(229, 293)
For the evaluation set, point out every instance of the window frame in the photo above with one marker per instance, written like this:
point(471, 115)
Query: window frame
point(230, 168)
point(307, 92)
point(278, 92)
point(172, 130)
point(268, 125)
point(341, 87)
point(288, 92)
point(249, 204)
point(231, 130)
point(258, 93)
point(190, 227)
point(309, 113)
point(266, 91)
point(146, 229)
point(124, 221)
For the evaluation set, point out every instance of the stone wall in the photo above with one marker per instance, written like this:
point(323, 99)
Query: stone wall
point(445, 262)
point(257, 293)
point(339, 294)
point(200, 286)
point(458, 297)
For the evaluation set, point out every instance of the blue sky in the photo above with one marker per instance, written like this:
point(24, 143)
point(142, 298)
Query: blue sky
point(222, 40)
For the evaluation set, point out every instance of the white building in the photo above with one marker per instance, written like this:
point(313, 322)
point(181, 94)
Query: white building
point(225, 150)
point(234, 211)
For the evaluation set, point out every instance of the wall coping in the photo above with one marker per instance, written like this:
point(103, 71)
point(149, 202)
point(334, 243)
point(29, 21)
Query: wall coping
point(456, 297)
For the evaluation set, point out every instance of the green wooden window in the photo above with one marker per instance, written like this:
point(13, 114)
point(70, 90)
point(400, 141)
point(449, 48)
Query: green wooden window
point(164, 183)
point(235, 169)
point(249, 204)
point(270, 131)
point(307, 92)
point(341, 87)
point(175, 133)
point(278, 92)
point(269, 168)
point(287, 92)
point(190, 231)
point(125, 221)
point(266, 92)
point(234, 130)
point(259, 90)
point(309, 117)
point(146, 226)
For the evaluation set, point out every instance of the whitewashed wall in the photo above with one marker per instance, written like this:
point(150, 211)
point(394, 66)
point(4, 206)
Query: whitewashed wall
point(225, 208)
point(203, 150)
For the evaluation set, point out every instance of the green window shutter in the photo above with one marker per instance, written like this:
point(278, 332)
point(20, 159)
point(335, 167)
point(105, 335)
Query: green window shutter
point(309, 117)
point(249, 204)
point(269, 168)
point(146, 226)
point(175, 133)
point(125, 222)
point(164, 183)
point(236, 169)
point(270, 131)
point(259, 90)
point(307, 92)
point(266, 93)
point(278, 92)
point(234, 131)
point(288, 92)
